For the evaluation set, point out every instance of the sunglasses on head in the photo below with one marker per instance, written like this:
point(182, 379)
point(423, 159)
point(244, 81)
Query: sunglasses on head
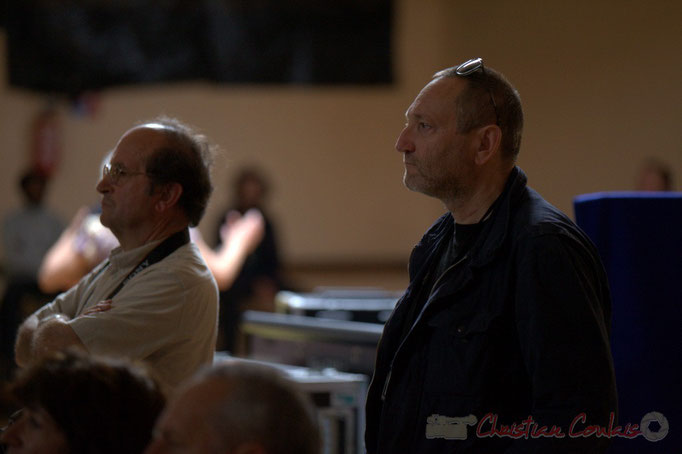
point(471, 66)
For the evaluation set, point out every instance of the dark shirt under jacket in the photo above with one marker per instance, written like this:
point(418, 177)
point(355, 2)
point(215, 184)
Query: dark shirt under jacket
point(517, 327)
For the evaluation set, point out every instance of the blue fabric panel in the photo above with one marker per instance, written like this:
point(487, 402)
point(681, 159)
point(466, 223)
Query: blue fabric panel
point(639, 237)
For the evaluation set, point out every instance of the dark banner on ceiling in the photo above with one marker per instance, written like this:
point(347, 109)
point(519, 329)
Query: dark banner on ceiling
point(72, 47)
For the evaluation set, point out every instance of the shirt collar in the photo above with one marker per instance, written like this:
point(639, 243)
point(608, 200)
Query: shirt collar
point(121, 259)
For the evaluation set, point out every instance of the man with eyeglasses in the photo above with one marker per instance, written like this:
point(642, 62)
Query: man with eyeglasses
point(154, 299)
point(500, 343)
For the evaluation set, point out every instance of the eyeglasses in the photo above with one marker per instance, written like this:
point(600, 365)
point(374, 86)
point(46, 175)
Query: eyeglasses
point(116, 171)
point(471, 66)
point(14, 417)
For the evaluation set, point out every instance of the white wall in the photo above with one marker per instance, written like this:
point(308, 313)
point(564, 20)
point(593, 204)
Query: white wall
point(600, 83)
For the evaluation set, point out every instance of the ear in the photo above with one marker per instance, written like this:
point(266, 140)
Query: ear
point(490, 139)
point(169, 194)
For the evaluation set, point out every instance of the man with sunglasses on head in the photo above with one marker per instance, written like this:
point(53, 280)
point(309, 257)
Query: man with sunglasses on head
point(154, 299)
point(500, 343)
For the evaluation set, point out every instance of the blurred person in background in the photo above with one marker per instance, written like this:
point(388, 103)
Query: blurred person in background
point(82, 245)
point(27, 234)
point(654, 175)
point(259, 278)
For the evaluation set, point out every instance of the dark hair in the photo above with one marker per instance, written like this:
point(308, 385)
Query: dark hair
point(28, 179)
point(244, 176)
point(30, 176)
point(250, 174)
point(475, 109)
point(102, 406)
point(263, 406)
point(185, 158)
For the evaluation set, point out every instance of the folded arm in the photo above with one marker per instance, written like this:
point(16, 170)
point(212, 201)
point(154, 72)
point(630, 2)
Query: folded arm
point(39, 338)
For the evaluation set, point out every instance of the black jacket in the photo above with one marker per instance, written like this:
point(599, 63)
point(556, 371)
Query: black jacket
point(517, 328)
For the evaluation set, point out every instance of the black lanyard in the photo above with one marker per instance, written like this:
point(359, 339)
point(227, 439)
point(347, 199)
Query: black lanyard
point(157, 254)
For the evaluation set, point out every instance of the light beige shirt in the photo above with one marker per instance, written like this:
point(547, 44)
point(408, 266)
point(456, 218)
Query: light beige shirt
point(165, 316)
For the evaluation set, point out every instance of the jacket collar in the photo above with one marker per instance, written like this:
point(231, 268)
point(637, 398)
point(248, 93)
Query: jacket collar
point(495, 232)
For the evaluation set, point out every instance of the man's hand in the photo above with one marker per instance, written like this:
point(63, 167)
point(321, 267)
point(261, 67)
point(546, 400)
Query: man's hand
point(102, 306)
point(23, 348)
point(39, 338)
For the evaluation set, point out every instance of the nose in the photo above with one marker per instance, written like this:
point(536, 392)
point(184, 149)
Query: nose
point(404, 143)
point(154, 447)
point(104, 185)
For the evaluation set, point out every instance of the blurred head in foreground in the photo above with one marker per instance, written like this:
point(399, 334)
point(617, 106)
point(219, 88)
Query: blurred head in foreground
point(76, 404)
point(237, 407)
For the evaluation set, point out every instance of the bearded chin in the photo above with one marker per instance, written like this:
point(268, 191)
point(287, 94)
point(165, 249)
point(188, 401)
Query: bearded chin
point(448, 190)
point(408, 181)
point(416, 183)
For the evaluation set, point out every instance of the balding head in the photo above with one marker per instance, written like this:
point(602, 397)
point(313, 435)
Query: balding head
point(239, 406)
point(489, 98)
point(183, 156)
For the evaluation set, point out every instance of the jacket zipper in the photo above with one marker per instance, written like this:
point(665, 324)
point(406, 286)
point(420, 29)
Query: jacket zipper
point(446, 272)
point(388, 379)
point(390, 369)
